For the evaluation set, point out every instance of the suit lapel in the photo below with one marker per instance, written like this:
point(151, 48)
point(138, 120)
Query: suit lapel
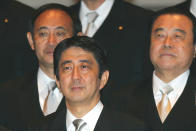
point(183, 113)
point(30, 88)
point(103, 123)
point(151, 114)
point(184, 109)
point(59, 123)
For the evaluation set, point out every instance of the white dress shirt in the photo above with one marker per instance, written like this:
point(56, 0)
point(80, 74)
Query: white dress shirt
point(90, 118)
point(43, 81)
point(178, 85)
point(102, 12)
point(193, 7)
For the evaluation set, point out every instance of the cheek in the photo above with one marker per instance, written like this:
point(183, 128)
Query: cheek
point(40, 40)
point(185, 52)
point(58, 40)
point(154, 49)
point(64, 85)
point(91, 80)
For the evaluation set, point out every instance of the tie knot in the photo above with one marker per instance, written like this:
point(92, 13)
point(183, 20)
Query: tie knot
point(166, 90)
point(92, 16)
point(79, 124)
point(51, 85)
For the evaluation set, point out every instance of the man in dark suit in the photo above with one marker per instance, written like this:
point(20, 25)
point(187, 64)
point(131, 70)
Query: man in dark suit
point(81, 71)
point(121, 28)
point(13, 27)
point(49, 25)
point(166, 101)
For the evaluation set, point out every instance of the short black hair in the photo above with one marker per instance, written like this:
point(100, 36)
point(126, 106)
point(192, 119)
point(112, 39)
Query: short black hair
point(86, 43)
point(172, 11)
point(76, 23)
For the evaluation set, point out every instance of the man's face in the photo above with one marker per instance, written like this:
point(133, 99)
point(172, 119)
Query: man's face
point(172, 46)
point(51, 27)
point(79, 77)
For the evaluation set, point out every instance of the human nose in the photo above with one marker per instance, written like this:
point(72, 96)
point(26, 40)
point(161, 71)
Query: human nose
point(52, 39)
point(76, 74)
point(167, 42)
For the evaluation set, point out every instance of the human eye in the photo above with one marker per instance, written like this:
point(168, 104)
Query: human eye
point(84, 67)
point(60, 33)
point(159, 35)
point(179, 36)
point(67, 68)
point(43, 33)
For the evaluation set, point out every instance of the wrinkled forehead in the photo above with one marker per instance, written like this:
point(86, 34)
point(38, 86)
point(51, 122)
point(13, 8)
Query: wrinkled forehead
point(75, 51)
point(178, 19)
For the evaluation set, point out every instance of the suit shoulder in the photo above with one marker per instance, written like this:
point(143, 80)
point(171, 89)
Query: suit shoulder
point(136, 9)
point(20, 11)
point(183, 5)
point(123, 121)
point(21, 7)
point(17, 83)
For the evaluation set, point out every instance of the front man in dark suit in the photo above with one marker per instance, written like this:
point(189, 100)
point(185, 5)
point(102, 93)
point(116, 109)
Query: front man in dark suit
point(49, 25)
point(81, 71)
point(121, 28)
point(166, 101)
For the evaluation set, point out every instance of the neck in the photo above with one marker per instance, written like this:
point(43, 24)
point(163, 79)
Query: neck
point(48, 71)
point(80, 109)
point(167, 76)
point(93, 4)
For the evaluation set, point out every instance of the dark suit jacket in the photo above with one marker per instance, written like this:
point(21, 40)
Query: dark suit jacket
point(2, 128)
point(140, 103)
point(15, 53)
point(125, 47)
point(108, 121)
point(20, 102)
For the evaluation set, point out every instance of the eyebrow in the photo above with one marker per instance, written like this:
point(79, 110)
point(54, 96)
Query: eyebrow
point(86, 61)
point(182, 31)
point(42, 28)
point(158, 29)
point(57, 28)
point(60, 28)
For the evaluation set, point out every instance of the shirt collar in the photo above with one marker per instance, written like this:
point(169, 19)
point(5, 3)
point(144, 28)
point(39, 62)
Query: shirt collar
point(102, 10)
point(90, 118)
point(177, 84)
point(43, 80)
point(193, 7)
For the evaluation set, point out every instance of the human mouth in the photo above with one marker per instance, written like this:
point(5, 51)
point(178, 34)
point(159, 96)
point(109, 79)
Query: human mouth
point(167, 55)
point(49, 52)
point(76, 88)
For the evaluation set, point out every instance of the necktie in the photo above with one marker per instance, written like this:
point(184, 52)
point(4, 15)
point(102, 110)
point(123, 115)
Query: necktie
point(79, 124)
point(92, 16)
point(164, 106)
point(50, 103)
